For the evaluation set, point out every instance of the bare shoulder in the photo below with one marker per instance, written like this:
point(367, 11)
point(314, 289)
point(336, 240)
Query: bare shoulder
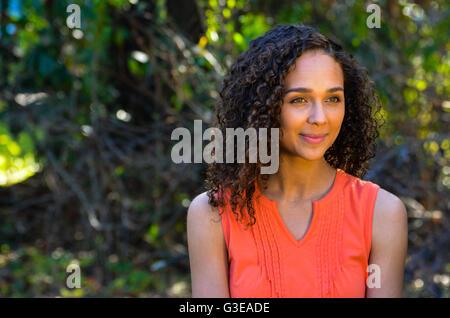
point(389, 207)
point(389, 244)
point(390, 219)
point(200, 212)
point(204, 226)
point(207, 249)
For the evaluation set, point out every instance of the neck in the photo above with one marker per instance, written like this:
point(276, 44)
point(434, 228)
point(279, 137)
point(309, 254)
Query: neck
point(300, 180)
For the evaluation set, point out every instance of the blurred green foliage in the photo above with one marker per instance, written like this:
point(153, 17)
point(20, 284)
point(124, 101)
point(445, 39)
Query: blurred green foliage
point(26, 272)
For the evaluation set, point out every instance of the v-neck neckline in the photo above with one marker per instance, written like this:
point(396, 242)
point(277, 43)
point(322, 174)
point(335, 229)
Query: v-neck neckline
point(328, 197)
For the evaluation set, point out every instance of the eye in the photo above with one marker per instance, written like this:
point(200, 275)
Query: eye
point(302, 100)
point(334, 99)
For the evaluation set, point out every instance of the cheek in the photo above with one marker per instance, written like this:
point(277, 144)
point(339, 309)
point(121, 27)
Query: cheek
point(290, 119)
point(336, 121)
point(340, 116)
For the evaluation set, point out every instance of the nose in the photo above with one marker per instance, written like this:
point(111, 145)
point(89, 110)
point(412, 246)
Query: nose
point(317, 115)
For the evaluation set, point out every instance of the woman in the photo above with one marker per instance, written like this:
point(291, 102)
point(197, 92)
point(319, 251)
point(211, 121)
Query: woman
point(314, 228)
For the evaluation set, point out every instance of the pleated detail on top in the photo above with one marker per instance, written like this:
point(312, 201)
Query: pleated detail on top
point(338, 244)
point(268, 250)
point(329, 245)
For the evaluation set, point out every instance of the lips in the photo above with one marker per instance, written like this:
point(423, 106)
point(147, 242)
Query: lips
point(314, 135)
point(313, 138)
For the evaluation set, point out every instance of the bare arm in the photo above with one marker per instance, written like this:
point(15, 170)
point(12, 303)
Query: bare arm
point(389, 244)
point(207, 250)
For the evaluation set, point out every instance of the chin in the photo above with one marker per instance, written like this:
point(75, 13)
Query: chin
point(311, 154)
point(306, 155)
point(311, 157)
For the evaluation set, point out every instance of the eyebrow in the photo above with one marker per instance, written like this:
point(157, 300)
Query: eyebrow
point(308, 90)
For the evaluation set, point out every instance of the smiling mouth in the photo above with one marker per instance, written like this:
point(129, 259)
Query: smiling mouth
point(314, 139)
point(314, 135)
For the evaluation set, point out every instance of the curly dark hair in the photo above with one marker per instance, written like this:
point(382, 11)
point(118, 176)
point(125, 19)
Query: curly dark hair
point(252, 96)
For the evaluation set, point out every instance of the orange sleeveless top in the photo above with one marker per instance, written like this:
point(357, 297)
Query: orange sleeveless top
point(266, 261)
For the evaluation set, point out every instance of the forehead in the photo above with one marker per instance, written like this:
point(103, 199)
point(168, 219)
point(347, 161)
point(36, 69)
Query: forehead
point(317, 70)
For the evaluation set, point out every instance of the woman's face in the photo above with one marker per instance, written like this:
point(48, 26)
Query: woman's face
point(313, 105)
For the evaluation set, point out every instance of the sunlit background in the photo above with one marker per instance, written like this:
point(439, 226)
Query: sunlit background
point(86, 116)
